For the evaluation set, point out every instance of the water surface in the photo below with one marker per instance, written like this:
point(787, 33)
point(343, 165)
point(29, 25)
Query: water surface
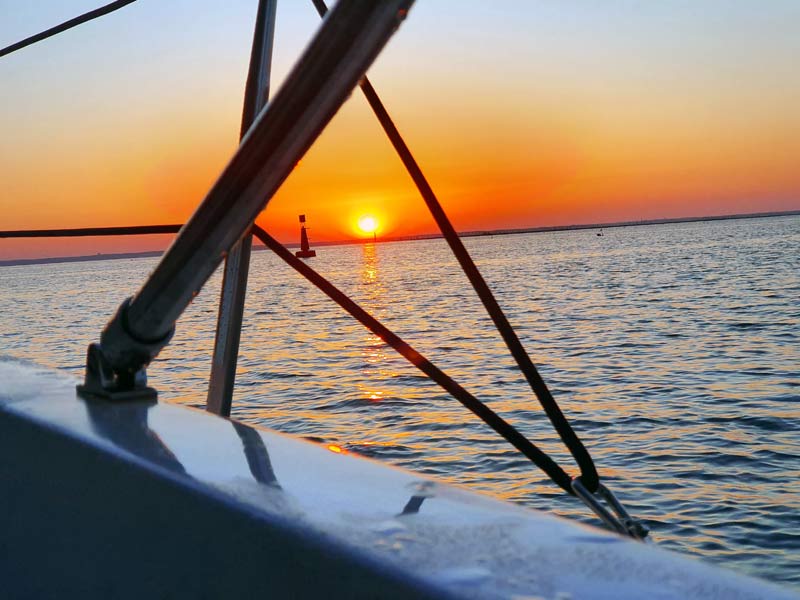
point(673, 349)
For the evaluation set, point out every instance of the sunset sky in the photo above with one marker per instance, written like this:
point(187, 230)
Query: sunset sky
point(521, 113)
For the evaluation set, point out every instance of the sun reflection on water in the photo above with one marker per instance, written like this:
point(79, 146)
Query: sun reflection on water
point(374, 369)
point(683, 386)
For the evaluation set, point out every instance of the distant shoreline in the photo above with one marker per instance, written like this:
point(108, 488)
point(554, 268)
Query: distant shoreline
point(432, 236)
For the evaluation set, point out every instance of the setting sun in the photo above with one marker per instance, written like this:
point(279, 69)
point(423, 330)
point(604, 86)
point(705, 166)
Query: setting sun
point(368, 224)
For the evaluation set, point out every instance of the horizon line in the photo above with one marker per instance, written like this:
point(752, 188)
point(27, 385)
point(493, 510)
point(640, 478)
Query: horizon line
point(421, 237)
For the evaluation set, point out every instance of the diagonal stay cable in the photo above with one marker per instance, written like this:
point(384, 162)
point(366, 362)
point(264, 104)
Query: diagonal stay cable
point(603, 502)
point(486, 414)
point(74, 22)
point(579, 452)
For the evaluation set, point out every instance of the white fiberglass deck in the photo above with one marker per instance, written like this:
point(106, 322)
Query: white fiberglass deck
point(131, 499)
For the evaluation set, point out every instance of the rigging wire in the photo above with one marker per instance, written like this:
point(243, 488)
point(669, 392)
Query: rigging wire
point(74, 22)
point(486, 414)
point(602, 501)
point(589, 477)
point(91, 231)
point(560, 423)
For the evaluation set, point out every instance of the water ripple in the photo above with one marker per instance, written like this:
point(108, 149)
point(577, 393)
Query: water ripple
point(673, 350)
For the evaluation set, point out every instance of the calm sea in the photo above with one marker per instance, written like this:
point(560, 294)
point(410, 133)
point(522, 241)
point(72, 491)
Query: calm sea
point(672, 348)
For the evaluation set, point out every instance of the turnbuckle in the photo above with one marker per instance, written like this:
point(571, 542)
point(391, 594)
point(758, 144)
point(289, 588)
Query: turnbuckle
point(619, 521)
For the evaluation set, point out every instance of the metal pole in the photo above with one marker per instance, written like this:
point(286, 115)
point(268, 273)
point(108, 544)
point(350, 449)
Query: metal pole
point(325, 75)
point(237, 263)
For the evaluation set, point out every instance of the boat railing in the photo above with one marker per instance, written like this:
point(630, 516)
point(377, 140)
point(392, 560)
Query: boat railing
point(275, 136)
point(329, 69)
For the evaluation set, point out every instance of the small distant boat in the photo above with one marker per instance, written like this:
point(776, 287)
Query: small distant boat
point(600, 233)
point(305, 249)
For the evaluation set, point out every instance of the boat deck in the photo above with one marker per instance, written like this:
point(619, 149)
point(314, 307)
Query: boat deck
point(159, 500)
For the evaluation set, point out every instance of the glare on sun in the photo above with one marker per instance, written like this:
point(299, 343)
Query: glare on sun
point(367, 224)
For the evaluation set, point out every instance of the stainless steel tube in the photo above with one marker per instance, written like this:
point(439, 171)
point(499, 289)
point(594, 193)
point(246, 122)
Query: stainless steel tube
point(346, 44)
point(237, 264)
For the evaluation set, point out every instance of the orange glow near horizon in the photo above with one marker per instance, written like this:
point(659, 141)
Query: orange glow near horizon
point(618, 135)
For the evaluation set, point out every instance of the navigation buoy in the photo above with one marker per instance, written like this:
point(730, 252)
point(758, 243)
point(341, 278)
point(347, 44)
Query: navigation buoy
point(305, 250)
